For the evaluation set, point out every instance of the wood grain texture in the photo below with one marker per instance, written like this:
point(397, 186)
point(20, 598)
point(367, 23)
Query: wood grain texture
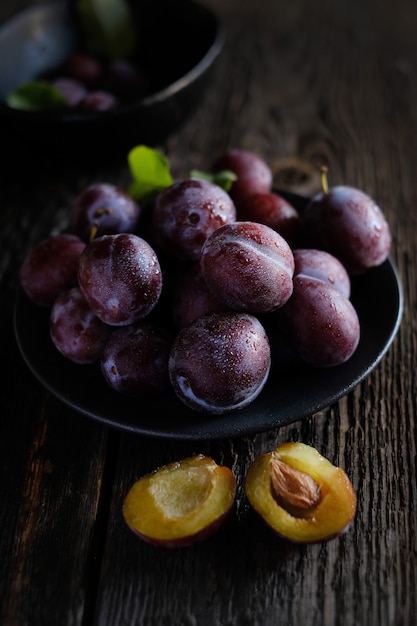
point(301, 84)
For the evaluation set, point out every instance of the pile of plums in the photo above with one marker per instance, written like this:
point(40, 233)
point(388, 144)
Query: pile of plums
point(87, 83)
point(181, 295)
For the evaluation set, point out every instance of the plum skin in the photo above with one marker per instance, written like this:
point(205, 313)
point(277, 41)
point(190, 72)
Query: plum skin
point(274, 211)
point(323, 266)
point(319, 320)
point(186, 213)
point(105, 209)
point(192, 298)
point(134, 360)
point(120, 277)
point(332, 516)
point(321, 323)
point(75, 330)
point(248, 266)
point(220, 362)
point(348, 223)
point(51, 267)
point(253, 173)
point(180, 503)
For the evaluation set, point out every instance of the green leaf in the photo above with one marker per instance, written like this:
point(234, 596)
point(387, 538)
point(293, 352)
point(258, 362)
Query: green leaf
point(150, 172)
point(223, 179)
point(37, 95)
point(108, 27)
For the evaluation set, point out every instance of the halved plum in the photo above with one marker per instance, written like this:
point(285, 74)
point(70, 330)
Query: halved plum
point(181, 502)
point(300, 494)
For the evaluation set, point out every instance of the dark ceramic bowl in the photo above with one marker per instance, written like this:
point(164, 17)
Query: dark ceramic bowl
point(179, 42)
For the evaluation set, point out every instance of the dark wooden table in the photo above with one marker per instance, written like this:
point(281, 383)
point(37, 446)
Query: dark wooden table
point(301, 83)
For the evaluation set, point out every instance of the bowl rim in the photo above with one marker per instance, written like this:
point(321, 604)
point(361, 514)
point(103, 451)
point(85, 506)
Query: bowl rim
point(160, 95)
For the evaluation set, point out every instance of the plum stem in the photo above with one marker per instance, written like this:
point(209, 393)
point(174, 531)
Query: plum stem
point(324, 182)
point(99, 213)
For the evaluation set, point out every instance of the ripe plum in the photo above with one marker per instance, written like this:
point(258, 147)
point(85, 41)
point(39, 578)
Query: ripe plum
point(319, 321)
point(98, 100)
point(83, 67)
point(192, 298)
point(186, 213)
point(323, 266)
point(103, 209)
point(71, 90)
point(87, 82)
point(273, 210)
point(349, 224)
point(248, 266)
point(253, 174)
point(220, 362)
point(75, 330)
point(121, 278)
point(51, 267)
point(135, 359)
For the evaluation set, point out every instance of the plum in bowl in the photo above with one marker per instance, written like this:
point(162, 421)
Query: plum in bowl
point(177, 45)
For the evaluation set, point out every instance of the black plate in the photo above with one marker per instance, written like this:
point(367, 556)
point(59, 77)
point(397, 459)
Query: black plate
point(293, 392)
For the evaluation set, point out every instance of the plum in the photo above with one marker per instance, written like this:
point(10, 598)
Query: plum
point(192, 297)
point(180, 503)
point(319, 320)
point(271, 209)
point(220, 362)
point(248, 266)
point(323, 266)
point(349, 224)
point(186, 213)
point(103, 209)
point(300, 494)
point(120, 277)
point(51, 267)
point(253, 174)
point(71, 90)
point(98, 100)
point(135, 359)
point(75, 330)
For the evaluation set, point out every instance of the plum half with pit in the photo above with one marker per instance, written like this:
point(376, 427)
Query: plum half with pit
point(186, 213)
point(248, 266)
point(349, 224)
point(220, 362)
point(180, 503)
point(300, 494)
